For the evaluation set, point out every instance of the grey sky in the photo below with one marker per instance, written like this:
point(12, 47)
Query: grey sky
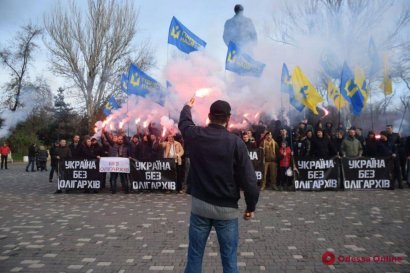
point(204, 18)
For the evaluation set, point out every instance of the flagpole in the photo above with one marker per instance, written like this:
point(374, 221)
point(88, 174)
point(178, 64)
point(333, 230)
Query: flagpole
point(385, 108)
point(371, 107)
point(128, 123)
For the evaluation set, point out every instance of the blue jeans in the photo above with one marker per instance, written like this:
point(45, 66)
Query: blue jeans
point(227, 233)
point(31, 161)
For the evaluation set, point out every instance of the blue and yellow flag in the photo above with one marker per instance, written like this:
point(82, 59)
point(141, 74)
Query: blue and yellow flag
point(334, 94)
point(304, 91)
point(124, 83)
point(183, 38)
point(141, 84)
point(286, 87)
point(110, 105)
point(351, 91)
point(285, 81)
point(241, 63)
point(360, 80)
point(387, 84)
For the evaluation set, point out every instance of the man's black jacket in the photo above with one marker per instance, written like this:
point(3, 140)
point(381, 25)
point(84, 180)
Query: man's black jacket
point(220, 164)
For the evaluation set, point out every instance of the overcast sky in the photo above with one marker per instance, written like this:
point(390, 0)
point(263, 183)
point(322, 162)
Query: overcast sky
point(205, 18)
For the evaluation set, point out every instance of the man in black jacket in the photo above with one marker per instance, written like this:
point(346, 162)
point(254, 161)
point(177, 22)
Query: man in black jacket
point(220, 167)
point(394, 140)
point(32, 154)
point(321, 146)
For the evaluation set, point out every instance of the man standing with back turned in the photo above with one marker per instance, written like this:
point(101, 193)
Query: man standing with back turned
point(220, 167)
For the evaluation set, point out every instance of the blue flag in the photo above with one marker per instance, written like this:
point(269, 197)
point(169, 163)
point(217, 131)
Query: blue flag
point(287, 87)
point(183, 38)
point(110, 105)
point(351, 91)
point(242, 63)
point(141, 84)
point(285, 81)
point(124, 83)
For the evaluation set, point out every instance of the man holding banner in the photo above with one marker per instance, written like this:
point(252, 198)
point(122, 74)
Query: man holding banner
point(118, 147)
point(220, 167)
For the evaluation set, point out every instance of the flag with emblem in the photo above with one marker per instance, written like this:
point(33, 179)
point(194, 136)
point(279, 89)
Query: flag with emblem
point(184, 39)
point(242, 63)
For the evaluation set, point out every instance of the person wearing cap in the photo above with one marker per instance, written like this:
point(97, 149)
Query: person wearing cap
point(220, 168)
point(240, 30)
point(351, 146)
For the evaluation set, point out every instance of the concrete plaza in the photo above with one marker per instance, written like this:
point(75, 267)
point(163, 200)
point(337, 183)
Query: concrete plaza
point(79, 232)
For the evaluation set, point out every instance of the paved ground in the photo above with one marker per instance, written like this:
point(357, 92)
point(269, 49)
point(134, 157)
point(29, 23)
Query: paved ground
point(77, 232)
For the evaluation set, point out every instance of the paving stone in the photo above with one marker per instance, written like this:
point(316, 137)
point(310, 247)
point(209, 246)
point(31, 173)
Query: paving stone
point(44, 232)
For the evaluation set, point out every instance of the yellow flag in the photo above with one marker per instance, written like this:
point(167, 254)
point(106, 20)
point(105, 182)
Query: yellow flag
point(304, 90)
point(334, 93)
point(387, 84)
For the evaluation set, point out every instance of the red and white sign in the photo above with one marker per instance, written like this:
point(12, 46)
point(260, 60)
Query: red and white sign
point(114, 165)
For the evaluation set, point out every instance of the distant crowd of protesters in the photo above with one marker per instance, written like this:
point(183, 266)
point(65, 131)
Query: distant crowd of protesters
point(279, 144)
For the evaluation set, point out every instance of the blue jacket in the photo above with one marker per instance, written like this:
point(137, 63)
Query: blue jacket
point(220, 164)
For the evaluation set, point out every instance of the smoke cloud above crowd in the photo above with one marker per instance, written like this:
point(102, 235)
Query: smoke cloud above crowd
point(313, 41)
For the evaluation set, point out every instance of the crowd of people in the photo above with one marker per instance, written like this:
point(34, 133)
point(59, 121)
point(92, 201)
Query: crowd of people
point(279, 146)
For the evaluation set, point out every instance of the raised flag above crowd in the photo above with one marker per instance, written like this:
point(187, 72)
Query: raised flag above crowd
point(184, 39)
point(304, 91)
point(110, 105)
point(242, 63)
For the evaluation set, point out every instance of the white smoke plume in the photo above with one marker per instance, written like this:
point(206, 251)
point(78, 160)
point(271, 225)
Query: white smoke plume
point(320, 39)
point(29, 100)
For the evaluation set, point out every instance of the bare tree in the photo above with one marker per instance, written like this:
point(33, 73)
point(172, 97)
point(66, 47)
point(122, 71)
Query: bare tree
point(16, 58)
point(92, 48)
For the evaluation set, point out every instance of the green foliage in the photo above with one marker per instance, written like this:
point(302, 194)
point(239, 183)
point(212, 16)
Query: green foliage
point(21, 138)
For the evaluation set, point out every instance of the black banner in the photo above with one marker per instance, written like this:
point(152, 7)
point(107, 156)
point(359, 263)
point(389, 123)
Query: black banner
point(153, 175)
point(256, 156)
point(79, 174)
point(367, 173)
point(317, 174)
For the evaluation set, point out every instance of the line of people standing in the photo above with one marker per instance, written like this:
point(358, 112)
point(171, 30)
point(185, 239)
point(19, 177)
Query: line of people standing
point(319, 142)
